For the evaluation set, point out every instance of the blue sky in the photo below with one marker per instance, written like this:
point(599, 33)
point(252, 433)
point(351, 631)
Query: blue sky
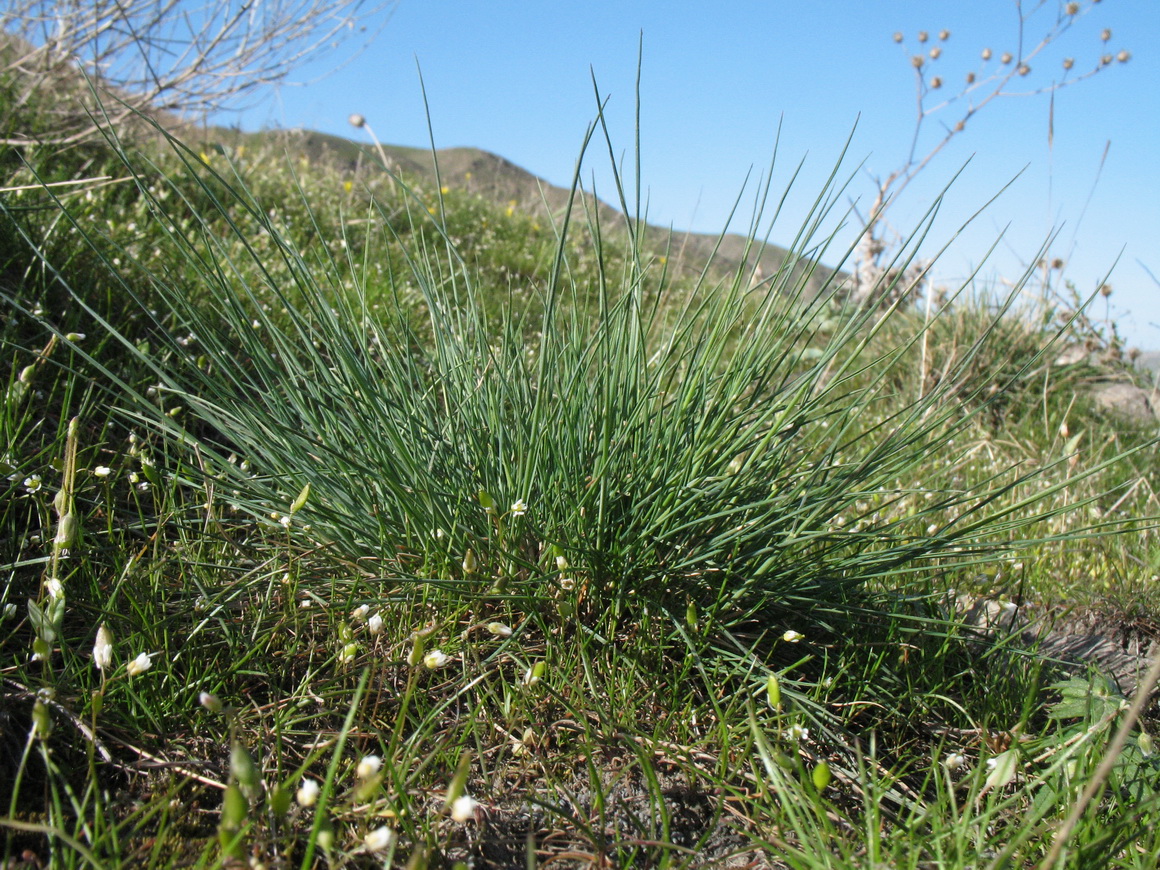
point(514, 77)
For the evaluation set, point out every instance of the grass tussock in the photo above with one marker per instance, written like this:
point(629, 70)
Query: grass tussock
point(350, 522)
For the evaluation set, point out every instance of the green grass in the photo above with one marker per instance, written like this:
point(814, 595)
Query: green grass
point(658, 569)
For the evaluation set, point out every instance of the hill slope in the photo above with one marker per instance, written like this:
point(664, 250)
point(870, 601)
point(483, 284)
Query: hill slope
point(500, 181)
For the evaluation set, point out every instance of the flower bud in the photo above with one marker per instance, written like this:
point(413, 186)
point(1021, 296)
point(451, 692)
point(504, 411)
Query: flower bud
point(307, 793)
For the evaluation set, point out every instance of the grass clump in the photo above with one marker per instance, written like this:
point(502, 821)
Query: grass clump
point(376, 556)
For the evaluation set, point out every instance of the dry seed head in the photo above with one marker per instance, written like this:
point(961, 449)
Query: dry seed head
point(923, 36)
point(1006, 58)
point(357, 121)
point(1124, 56)
point(960, 126)
point(1106, 35)
point(897, 36)
point(1072, 8)
point(1105, 290)
point(1105, 60)
point(935, 53)
point(944, 35)
point(970, 78)
point(1024, 69)
point(986, 54)
point(1068, 62)
point(936, 83)
point(917, 61)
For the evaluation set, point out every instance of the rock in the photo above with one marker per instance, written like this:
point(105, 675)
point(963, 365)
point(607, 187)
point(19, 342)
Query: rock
point(1072, 642)
point(1127, 400)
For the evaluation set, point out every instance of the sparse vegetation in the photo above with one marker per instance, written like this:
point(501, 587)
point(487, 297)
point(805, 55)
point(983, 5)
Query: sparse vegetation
point(353, 521)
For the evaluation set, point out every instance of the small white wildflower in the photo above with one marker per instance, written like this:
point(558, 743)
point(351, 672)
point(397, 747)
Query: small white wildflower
point(139, 665)
point(380, 839)
point(307, 793)
point(102, 471)
point(499, 629)
point(54, 588)
point(567, 584)
point(375, 624)
point(285, 521)
point(561, 563)
point(368, 766)
point(103, 648)
point(33, 483)
point(463, 808)
point(359, 614)
point(798, 732)
point(210, 701)
point(436, 659)
point(953, 761)
point(792, 636)
point(519, 507)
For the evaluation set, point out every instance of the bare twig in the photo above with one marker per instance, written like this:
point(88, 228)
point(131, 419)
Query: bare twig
point(165, 55)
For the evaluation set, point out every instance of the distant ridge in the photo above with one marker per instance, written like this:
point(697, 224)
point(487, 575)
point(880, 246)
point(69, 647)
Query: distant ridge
point(498, 180)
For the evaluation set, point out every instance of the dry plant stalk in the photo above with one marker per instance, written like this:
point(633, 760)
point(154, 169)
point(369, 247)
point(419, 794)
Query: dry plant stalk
point(995, 75)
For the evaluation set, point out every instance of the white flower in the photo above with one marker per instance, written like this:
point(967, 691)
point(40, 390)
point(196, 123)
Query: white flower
point(368, 766)
point(102, 471)
point(103, 648)
point(359, 614)
point(380, 839)
point(307, 793)
point(285, 521)
point(561, 563)
point(567, 584)
point(32, 483)
point(436, 659)
point(463, 808)
point(798, 732)
point(792, 636)
point(519, 507)
point(139, 665)
point(499, 629)
point(54, 588)
point(953, 761)
point(347, 653)
point(375, 624)
point(210, 701)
